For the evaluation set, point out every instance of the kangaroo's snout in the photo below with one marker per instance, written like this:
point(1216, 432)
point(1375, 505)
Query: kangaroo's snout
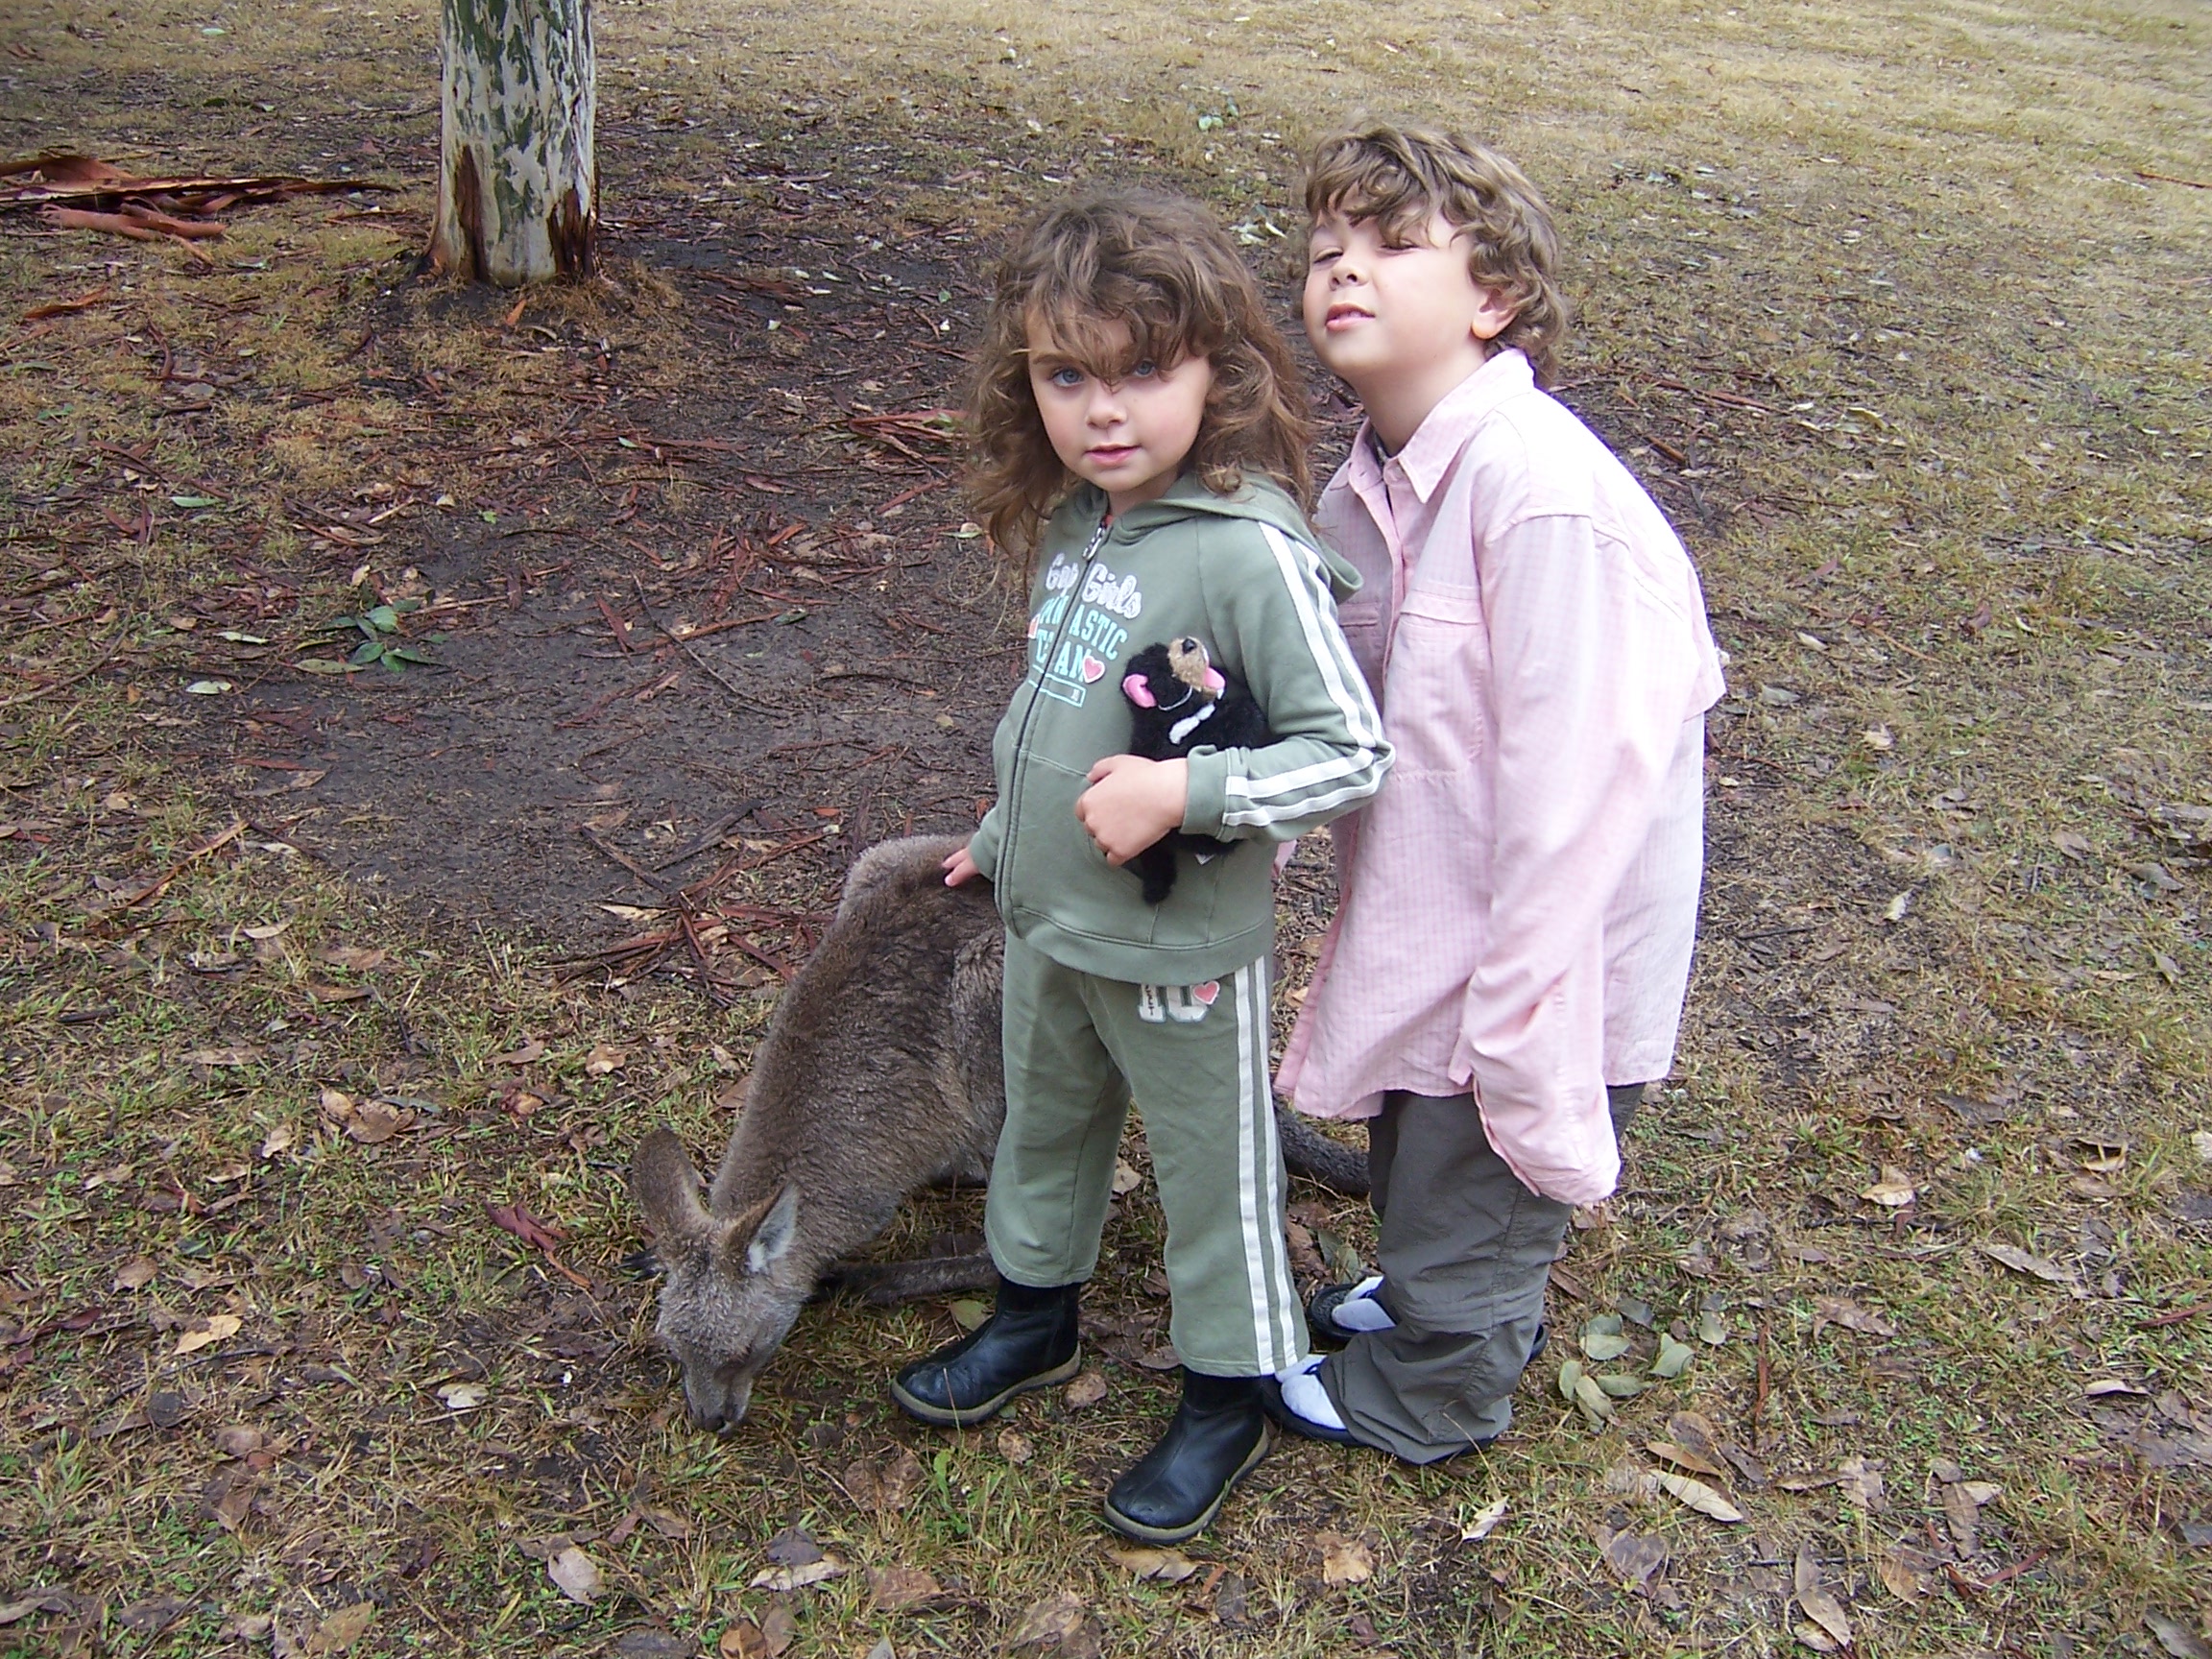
point(719, 1411)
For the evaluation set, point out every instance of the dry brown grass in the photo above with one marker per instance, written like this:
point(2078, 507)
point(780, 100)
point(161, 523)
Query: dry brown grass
point(1882, 302)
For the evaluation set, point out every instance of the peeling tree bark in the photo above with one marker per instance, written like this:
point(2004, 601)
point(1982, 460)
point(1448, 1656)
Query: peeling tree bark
point(518, 198)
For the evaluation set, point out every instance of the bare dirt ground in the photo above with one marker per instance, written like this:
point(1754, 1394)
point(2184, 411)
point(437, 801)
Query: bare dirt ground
point(1901, 318)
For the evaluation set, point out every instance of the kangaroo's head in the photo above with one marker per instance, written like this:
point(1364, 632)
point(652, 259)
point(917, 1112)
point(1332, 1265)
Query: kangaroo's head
point(730, 1289)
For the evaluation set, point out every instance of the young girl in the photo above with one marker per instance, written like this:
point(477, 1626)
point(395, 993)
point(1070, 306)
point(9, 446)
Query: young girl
point(1140, 446)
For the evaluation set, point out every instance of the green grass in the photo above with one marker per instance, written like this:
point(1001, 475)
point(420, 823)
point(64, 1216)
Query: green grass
point(1921, 242)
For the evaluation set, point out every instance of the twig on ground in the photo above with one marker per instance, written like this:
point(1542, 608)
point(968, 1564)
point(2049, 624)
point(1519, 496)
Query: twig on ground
point(706, 667)
point(21, 697)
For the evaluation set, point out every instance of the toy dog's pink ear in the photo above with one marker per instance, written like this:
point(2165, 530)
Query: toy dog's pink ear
point(1134, 688)
point(1216, 681)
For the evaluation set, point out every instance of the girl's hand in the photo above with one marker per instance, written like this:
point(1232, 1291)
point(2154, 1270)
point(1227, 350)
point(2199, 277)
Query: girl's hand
point(960, 869)
point(1131, 802)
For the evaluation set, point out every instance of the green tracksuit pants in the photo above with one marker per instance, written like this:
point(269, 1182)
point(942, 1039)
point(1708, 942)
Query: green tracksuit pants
point(1195, 1057)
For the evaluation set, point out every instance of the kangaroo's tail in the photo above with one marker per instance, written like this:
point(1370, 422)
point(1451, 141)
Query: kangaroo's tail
point(1318, 1157)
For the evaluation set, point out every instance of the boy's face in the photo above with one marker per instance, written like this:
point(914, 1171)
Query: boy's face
point(1385, 311)
point(1129, 436)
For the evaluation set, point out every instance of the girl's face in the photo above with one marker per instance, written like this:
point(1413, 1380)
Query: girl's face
point(1128, 436)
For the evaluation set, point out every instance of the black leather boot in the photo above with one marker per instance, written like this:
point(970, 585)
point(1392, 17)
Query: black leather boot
point(1031, 1343)
point(1175, 1490)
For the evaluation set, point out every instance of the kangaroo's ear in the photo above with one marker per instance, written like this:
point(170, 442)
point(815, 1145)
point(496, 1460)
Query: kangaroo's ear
point(666, 1189)
point(763, 1233)
point(773, 1242)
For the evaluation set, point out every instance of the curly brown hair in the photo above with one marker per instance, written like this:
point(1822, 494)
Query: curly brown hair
point(1162, 267)
point(1399, 176)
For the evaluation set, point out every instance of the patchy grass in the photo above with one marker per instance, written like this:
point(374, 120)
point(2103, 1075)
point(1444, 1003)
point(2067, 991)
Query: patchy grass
point(1903, 315)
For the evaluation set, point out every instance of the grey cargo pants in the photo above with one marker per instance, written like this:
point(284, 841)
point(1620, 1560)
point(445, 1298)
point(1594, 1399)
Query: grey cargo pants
point(1465, 1252)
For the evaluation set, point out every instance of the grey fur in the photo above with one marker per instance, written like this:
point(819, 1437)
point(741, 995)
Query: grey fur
point(878, 1075)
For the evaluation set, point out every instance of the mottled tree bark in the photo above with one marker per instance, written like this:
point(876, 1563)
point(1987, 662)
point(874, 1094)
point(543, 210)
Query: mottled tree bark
point(518, 198)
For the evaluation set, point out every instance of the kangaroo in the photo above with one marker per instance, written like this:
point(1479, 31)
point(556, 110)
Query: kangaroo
point(878, 1075)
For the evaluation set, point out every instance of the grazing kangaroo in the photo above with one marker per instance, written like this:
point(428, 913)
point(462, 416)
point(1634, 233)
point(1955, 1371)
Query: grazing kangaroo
point(878, 1075)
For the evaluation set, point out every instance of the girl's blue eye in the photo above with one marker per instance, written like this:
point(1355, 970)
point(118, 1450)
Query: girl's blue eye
point(1067, 378)
point(1141, 370)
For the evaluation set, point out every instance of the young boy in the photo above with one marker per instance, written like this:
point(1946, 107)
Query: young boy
point(1507, 962)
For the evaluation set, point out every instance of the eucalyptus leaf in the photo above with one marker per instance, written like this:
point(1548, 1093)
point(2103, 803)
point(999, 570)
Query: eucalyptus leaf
point(1602, 1345)
point(320, 665)
point(1595, 1406)
point(1711, 1329)
point(1570, 1378)
point(366, 653)
point(1675, 1357)
point(1620, 1385)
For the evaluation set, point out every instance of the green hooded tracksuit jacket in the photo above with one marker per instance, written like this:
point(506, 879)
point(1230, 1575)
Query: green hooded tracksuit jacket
point(1105, 994)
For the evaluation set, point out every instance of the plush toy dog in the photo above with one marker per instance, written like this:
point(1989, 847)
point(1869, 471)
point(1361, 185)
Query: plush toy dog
point(1179, 702)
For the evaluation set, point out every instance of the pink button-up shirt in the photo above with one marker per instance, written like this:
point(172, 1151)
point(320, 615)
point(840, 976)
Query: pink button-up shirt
point(1518, 903)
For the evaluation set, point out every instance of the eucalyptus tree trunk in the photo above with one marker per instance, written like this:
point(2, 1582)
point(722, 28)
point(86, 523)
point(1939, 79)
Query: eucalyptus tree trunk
point(518, 193)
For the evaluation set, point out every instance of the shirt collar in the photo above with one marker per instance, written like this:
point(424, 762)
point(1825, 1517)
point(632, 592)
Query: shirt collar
point(1437, 441)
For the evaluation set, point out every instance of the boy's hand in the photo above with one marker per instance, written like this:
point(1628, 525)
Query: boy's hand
point(960, 868)
point(1131, 802)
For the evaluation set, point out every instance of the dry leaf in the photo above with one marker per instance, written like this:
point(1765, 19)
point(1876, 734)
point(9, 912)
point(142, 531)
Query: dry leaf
point(1170, 1566)
point(741, 1639)
point(1895, 1188)
point(1701, 1497)
point(1344, 1561)
point(894, 1589)
point(604, 1058)
point(219, 1327)
point(1904, 1575)
point(1816, 1639)
point(1087, 1389)
point(798, 1577)
point(2101, 1157)
point(2175, 1637)
point(279, 1140)
point(135, 1275)
point(1686, 1458)
point(1061, 1626)
point(1861, 1483)
point(1635, 1558)
point(1843, 1310)
point(1126, 1177)
point(1819, 1607)
point(902, 1480)
point(1013, 1446)
point(373, 1122)
point(968, 1313)
point(532, 1049)
point(1485, 1522)
point(228, 1498)
point(1962, 1513)
point(343, 1628)
point(231, 1054)
point(464, 1395)
point(2021, 1261)
point(575, 1574)
point(1981, 1491)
